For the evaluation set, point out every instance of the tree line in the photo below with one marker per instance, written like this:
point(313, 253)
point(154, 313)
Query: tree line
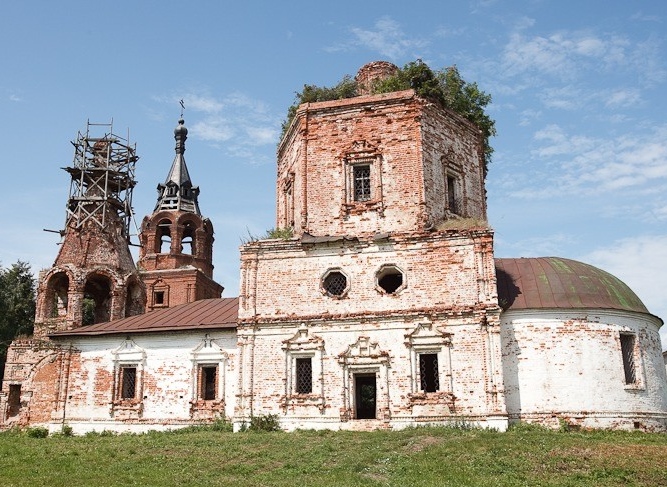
point(17, 306)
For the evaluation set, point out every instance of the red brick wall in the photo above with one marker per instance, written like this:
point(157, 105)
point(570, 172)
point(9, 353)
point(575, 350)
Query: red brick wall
point(410, 139)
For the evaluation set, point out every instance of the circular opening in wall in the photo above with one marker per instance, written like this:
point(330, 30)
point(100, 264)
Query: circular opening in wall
point(390, 279)
point(334, 283)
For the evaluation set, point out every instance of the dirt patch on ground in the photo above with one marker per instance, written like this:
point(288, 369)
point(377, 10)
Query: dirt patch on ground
point(421, 442)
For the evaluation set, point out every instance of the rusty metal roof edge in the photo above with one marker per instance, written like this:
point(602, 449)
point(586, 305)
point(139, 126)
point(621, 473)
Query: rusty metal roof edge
point(79, 332)
point(178, 314)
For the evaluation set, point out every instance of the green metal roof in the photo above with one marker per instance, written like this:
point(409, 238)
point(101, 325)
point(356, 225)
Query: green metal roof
point(554, 282)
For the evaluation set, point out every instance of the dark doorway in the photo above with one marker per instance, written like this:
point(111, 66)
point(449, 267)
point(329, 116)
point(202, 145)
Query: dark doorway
point(364, 395)
point(14, 400)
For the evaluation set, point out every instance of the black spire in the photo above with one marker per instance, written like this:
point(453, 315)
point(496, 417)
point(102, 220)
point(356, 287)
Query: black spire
point(177, 192)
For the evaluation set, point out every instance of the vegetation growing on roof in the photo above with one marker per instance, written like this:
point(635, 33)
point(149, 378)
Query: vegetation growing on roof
point(445, 87)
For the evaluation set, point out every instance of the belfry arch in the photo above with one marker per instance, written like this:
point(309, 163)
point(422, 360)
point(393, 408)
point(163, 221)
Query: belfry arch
point(163, 237)
point(97, 299)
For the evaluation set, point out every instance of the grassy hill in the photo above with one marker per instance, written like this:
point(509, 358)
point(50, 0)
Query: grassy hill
point(415, 457)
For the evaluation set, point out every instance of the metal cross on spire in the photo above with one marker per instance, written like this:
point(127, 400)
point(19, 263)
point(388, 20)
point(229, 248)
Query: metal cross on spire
point(182, 107)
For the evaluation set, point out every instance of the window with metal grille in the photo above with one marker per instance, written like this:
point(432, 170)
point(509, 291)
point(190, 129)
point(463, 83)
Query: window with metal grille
point(428, 372)
point(128, 387)
point(208, 375)
point(304, 375)
point(628, 352)
point(335, 283)
point(362, 182)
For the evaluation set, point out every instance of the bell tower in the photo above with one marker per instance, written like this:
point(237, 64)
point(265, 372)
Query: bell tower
point(94, 278)
point(176, 255)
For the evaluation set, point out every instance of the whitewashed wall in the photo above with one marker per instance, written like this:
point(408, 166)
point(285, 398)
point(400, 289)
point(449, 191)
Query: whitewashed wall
point(567, 366)
point(167, 382)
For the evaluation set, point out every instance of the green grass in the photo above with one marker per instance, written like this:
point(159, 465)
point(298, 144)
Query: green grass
point(413, 457)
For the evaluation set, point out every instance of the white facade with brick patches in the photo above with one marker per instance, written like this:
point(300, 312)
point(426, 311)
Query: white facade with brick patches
point(147, 381)
point(386, 308)
point(584, 378)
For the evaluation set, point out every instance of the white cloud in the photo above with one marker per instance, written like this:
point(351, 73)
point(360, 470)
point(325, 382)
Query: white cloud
point(262, 135)
point(641, 16)
point(601, 165)
point(659, 212)
point(387, 38)
point(524, 23)
point(640, 262)
point(542, 246)
point(564, 98)
point(528, 116)
point(623, 98)
point(215, 129)
point(448, 32)
point(560, 143)
point(570, 55)
point(235, 123)
point(202, 103)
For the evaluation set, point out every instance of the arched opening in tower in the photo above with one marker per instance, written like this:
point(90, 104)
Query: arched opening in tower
point(188, 240)
point(96, 300)
point(55, 304)
point(163, 237)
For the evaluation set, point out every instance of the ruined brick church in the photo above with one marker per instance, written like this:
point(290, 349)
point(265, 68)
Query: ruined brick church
point(385, 308)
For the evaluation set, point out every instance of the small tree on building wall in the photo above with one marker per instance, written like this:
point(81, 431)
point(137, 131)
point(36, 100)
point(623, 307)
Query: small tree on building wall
point(445, 87)
point(17, 306)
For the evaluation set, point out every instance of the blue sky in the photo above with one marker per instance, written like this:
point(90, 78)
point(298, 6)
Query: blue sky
point(580, 163)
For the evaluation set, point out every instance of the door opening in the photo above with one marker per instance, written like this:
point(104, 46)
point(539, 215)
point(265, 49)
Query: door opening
point(364, 396)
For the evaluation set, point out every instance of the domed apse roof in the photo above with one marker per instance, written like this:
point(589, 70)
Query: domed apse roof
point(553, 282)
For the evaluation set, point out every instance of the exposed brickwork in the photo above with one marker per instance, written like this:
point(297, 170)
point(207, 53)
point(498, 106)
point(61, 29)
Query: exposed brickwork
point(94, 267)
point(176, 258)
point(381, 312)
point(371, 73)
point(409, 143)
point(447, 278)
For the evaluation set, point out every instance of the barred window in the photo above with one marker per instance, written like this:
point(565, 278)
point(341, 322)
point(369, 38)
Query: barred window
point(362, 182)
point(128, 378)
point(304, 376)
point(335, 283)
point(208, 378)
point(628, 352)
point(428, 372)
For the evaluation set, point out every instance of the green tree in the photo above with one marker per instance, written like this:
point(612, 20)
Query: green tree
point(17, 306)
point(346, 88)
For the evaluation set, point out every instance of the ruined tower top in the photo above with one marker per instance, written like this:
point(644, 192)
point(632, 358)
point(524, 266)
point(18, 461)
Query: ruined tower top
point(391, 162)
point(93, 278)
point(372, 72)
point(177, 192)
